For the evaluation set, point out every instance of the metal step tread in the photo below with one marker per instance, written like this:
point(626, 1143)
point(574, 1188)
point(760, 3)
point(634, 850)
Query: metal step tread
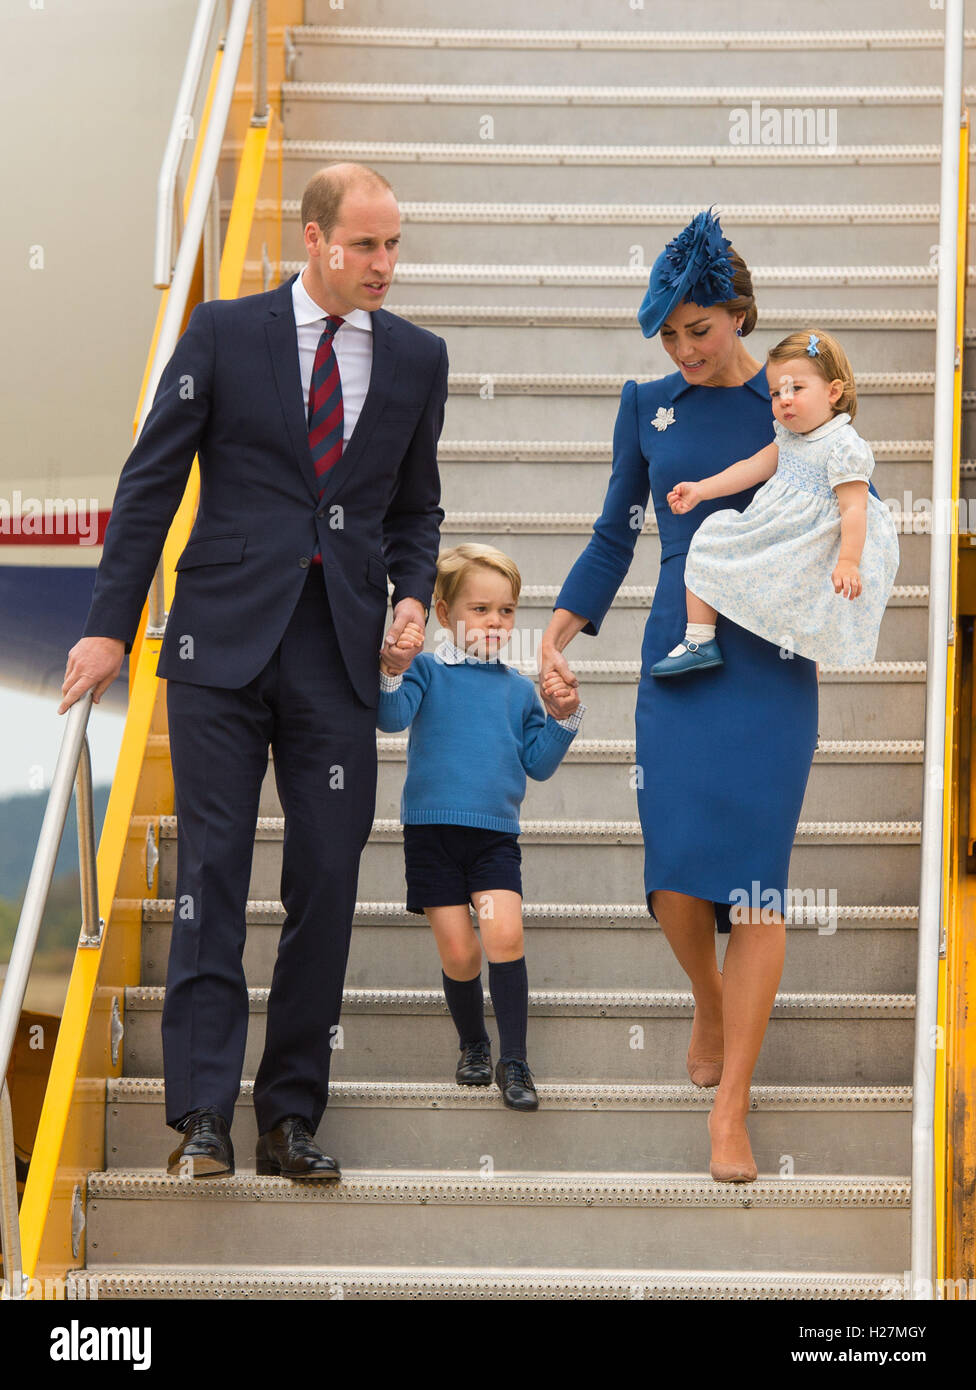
point(437, 36)
point(492, 152)
point(641, 595)
point(466, 1187)
point(447, 1095)
point(502, 273)
point(616, 94)
point(570, 916)
point(392, 748)
point(567, 523)
point(580, 1003)
point(598, 451)
point(629, 671)
point(612, 383)
point(598, 316)
point(443, 1282)
point(654, 214)
point(621, 831)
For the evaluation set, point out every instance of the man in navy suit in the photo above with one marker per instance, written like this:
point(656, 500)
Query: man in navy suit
point(315, 414)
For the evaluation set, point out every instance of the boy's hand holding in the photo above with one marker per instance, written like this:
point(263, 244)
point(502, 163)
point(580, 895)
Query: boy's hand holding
point(397, 657)
point(559, 698)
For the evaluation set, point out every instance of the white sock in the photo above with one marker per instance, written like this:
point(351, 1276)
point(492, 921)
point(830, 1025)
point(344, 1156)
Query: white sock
point(694, 632)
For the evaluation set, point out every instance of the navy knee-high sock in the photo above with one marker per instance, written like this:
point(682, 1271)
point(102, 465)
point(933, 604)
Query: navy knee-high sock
point(508, 984)
point(466, 1001)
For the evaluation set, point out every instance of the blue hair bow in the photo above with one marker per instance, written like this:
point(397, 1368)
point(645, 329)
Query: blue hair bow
point(812, 350)
point(693, 266)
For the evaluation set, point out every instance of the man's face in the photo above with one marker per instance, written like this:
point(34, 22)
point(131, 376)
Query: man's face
point(354, 268)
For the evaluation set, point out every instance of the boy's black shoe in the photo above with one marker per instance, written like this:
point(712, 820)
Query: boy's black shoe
point(516, 1085)
point(474, 1067)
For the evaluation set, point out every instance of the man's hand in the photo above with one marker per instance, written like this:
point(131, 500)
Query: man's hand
point(405, 637)
point(93, 664)
point(557, 684)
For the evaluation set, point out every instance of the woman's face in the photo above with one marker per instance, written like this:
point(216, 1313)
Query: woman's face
point(702, 342)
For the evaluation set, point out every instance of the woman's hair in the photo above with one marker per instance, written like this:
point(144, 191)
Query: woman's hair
point(454, 566)
point(830, 360)
point(745, 300)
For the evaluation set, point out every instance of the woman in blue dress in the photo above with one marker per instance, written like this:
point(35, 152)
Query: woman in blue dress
point(723, 757)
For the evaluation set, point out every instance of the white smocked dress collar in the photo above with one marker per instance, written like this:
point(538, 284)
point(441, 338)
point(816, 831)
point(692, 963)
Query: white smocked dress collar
point(828, 426)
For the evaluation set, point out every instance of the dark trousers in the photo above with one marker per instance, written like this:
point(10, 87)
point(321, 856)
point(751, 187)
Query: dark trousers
point(324, 743)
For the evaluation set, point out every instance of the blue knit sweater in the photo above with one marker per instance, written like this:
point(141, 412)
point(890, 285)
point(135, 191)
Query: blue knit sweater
point(476, 729)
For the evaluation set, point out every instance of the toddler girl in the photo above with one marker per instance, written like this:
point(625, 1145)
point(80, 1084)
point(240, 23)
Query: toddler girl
point(813, 539)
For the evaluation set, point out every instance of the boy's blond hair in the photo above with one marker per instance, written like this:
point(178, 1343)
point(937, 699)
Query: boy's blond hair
point(830, 360)
point(454, 566)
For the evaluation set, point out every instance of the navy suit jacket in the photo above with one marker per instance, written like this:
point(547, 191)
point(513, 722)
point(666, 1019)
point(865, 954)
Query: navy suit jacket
point(232, 394)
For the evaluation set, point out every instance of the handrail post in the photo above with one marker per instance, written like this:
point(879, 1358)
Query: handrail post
point(13, 1265)
point(91, 922)
point(259, 63)
point(930, 882)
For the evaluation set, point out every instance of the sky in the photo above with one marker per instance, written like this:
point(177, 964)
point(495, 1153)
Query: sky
point(30, 735)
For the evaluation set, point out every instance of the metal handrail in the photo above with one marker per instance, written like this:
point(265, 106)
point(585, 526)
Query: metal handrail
point(197, 219)
point(166, 190)
point(74, 759)
point(940, 574)
point(73, 768)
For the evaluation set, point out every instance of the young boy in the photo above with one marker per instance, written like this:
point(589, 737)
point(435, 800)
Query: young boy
point(477, 727)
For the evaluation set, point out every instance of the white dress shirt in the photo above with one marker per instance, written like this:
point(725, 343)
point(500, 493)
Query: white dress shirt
point(353, 347)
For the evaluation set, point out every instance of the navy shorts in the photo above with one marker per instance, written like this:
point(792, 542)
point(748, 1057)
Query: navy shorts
point(445, 864)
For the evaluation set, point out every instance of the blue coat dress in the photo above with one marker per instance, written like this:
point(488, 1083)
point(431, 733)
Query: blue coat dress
point(723, 755)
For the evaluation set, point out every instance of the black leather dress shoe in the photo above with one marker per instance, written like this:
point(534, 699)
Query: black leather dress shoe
point(206, 1150)
point(474, 1066)
point(289, 1151)
point(516, 1085)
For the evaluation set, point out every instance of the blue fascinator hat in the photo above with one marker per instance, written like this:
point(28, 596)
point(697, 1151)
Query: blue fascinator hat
point(694, 266)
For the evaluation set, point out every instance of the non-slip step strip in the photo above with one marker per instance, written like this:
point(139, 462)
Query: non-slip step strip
point(653, 214)
point(622, 832)
point(393, 748)
point(646, 39)
point(452, 1189)
point(452, 273)
point(446, 1095)
point(582, 1003)
point(446, 1282)
point(624, 317)
point(612, 383)
point(629, 671)
point(581, 916)
point(574, 523)
point(642, 595)
point(537, 94)
point(485, 152)
point(600, 451)
point(621, 750)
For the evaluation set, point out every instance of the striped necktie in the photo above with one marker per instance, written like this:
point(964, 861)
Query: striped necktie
point(325, 416)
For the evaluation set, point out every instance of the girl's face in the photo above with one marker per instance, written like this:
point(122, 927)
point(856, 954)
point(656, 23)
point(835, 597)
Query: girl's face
point(482, 615)
point(802, 399)
point(703, 343)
